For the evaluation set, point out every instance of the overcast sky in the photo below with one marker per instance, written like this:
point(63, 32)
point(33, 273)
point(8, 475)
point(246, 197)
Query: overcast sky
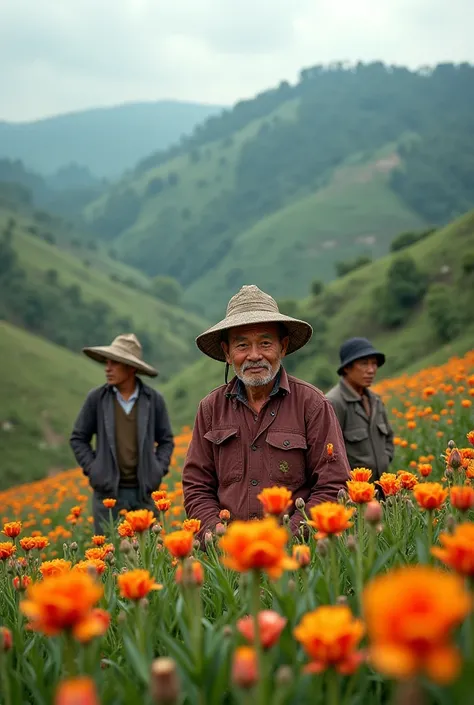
point(64, 55)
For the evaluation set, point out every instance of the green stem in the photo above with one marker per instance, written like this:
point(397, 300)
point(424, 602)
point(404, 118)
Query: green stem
point(4, 681)
point(260, 690)
point(359, 557)
point(142, 544)
point(429, 535)
point(334, 570)
point(333, 688)
point(69, 656)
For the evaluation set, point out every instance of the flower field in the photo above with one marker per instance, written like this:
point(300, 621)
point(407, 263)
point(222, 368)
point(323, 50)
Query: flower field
point(372, 604)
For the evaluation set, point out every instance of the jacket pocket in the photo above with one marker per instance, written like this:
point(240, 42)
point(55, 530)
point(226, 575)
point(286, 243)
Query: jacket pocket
point(97, 479)
point(287, 457)
point(228, 454)
point(382, 426)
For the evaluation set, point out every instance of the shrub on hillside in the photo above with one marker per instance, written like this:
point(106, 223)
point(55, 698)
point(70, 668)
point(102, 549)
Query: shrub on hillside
point(409, 238)
point(167, 289)
point(404, 288)
point(343, 268)
point(443, 312)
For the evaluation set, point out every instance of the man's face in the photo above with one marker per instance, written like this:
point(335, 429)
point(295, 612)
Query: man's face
point(255, 352)
point(117, 373)
point(361, 373)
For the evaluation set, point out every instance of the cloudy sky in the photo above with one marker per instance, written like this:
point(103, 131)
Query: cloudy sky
point(64, 55)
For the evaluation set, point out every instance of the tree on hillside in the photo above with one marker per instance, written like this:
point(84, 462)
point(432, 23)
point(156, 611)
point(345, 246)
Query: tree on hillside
point(167, 289)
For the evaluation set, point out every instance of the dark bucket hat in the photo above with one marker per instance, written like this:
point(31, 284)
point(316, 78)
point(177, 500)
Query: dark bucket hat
point(355, 349)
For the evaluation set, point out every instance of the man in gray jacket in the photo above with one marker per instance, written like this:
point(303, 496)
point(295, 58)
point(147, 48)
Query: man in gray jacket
point(368, 435)
point(128, 419)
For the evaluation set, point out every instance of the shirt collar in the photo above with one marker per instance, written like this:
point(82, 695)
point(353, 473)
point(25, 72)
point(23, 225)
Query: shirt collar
point(349, 393)
point(134, 396)
point(280, 385)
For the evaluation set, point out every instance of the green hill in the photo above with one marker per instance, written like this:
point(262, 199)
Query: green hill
point(415, 304)
point(74, 295)
point(105, 140)
point(297, 179)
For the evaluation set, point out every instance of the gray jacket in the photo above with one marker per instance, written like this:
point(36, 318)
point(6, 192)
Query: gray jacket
point(97, 418)
point(369, 442)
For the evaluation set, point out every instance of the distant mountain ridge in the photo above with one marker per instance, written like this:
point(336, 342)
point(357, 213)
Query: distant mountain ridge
point(106, 140)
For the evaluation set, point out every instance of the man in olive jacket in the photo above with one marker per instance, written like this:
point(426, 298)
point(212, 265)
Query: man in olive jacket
point(134, 440)
point(368, 435)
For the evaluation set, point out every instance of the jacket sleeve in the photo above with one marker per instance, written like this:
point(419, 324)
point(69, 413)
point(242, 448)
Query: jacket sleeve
point(328, 466)
point(163, 434)
point(200, 477)
point(84, 429)
point(339, 409)
point(390, 448)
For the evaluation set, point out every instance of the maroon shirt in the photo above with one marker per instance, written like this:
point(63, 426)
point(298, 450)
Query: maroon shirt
point(235, 452)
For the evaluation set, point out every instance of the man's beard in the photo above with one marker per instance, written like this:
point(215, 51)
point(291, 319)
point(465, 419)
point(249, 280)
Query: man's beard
point(257, 381)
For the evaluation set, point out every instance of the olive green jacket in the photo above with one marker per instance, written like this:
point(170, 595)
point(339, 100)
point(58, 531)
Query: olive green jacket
point(369, 442)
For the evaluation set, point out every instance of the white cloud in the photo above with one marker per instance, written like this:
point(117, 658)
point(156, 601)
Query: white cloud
point(64, 55)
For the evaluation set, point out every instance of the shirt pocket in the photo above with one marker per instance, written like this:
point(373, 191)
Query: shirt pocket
point(287, 454)
point(228, 454)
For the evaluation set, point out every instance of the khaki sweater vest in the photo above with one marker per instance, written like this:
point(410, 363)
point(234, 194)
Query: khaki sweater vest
point(126, 443)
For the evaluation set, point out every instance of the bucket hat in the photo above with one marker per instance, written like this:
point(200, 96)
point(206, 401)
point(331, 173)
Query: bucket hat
point(251, 305)
point(124, 348)
point(355, 349)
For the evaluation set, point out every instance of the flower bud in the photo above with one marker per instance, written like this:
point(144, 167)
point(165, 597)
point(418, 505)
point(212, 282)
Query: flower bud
point(220, 529)
point(208, 537)
point(224, 515)
point(73, 547)
point(284, 675)
point(227, 631)
point(455, 460)
point(144, 604)
point(322, 547)
point(300, 503)
point(135, 545)
point(196, 545)
point(450, 523)
point(6, 639)
point(125, 546)
point(286, 519)
point(244, 667)
point(164, 683)
point(110, 559)
point(157, 528)
point(373, 512)
point(352, 544)
point(342, 496)
point(451, 445)
point(291, 585)
point(341, 600)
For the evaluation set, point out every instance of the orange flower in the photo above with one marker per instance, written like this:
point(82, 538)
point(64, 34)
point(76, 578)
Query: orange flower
point(12, 529)
point(6, 639)
point(425, 469)
point(61, 602)
point(55, 567)
point(76, 691)
point(330, 518)
point(330, 636)
point(408, 479)
point(302, 554)
point(140, 520)
point(159, 494)
point(179, 543)
point(410, 613)
point(163, 504)
point(76, 511)
point(136, 584)
point(389, 483)
point(96, 624)
point(275, 500)
point(99, 552)
point(109, 503)
point(21, 583)
point(360, 492)
point(458, 549)
point(330, 450)
point(189, 573)
point(192, 525)
point(361, 474)
point(257, 545)
point(28, 543)
point(430, 495)
point(224, 515)
point(124, 529)
point(470, 437)
point(270, 626)
point(98, 540)
point(462, 497)
point(94, 565)
point(7, 549)
point(244, 667)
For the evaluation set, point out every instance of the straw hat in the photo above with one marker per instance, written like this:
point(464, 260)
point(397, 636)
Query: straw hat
point(251, 305)
point(125, 348)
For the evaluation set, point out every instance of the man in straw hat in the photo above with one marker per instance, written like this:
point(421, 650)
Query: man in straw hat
point(128, 418)
point(264, 427)
point(361, 413)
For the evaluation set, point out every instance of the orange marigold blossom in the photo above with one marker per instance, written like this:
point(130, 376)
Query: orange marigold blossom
point(390, 483)
point(94, 565)
point(258, 544)
point(12, 529)
point(95, 624)
point(360, 492)
point(408, 479)
point(159, 494)
point(57, 566)
point(361, 474)
point(136, 584)
point(330, 636)
point(425, 469)
point(330, 450)
point(98, 540)
point(124, 529)
point(275, 500)
point(470, 437)
point(7, 549)
point(6, 639)
point(76, 511)
point(163, 504)
point(301, 554)
point(457, 550)
point(244, 667)
point(109, 502)
point(270, 626)
point(409, 614)
point(61, 602)
point(462, 497)
point(430, 495)
point(76, 691)
point(189, 572)
point(330, 518)
point(192, 525)
point(179, 543)
point(99, 552)
point(224, 515)
point(29, 543)
point(140, 519)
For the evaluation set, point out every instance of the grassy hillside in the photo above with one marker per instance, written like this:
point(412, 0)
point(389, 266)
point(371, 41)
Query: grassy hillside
point(351, 306)
point(106, 140)
point(99, 281)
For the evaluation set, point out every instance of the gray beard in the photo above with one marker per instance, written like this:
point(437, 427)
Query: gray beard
point(260, 381)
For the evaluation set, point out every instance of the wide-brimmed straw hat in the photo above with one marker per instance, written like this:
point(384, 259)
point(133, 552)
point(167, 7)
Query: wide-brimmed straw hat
point(251, 305)
point(125, 348)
